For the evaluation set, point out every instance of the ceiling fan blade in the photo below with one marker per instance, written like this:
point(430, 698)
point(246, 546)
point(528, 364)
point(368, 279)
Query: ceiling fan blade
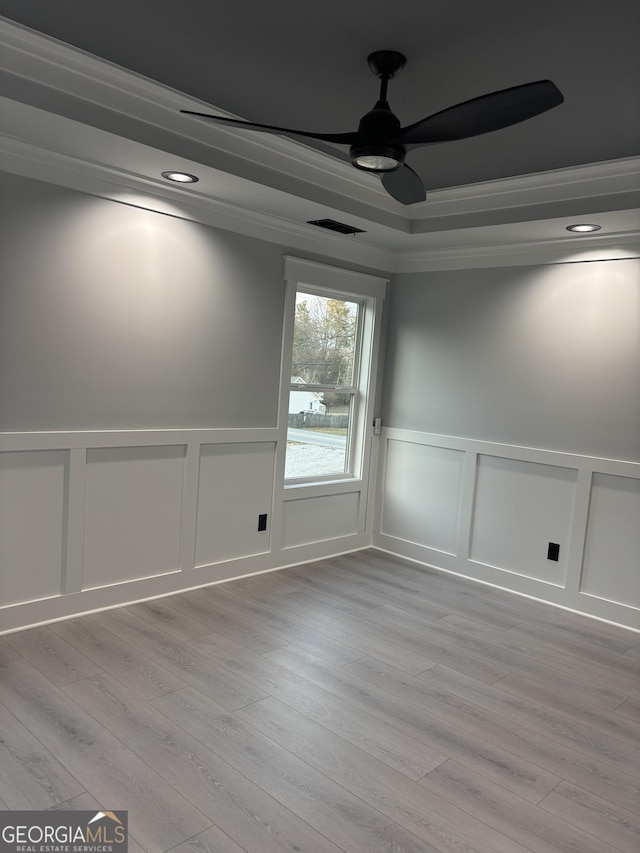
point(404, 185)
point(343, 138)
point(483, 114)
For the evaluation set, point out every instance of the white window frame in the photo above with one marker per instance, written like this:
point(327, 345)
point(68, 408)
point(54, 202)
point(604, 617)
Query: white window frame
point(368, 291)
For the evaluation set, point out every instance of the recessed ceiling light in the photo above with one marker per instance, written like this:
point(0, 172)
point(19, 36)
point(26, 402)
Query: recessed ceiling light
point(583, 228)
point(180, 177)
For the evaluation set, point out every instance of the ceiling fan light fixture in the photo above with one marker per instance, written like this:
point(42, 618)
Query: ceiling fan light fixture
point(377, 158)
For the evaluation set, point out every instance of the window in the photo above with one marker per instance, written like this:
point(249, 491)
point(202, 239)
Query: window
point(328, 354)
point(323, 394)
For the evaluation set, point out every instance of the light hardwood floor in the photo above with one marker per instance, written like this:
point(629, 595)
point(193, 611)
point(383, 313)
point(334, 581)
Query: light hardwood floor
point(360, 704)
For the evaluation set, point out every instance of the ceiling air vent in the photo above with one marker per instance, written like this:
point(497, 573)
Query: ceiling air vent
point(332, 225)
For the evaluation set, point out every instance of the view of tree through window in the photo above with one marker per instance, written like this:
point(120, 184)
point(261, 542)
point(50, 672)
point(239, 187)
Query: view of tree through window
point(323, 388)
point(324, 340)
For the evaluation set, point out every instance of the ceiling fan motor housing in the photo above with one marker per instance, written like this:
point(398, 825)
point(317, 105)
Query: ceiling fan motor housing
point(379, 127)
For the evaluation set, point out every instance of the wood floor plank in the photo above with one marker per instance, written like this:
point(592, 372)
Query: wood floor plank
point(255, 819)
point(430, 818)
point(391, 626)
point(573, 624)
point(397, 593)
point(415, 720)
point(351, 591)
point(98, 760)
point(516, 770)
point(444, 589)
point(511, 653)
point(358, 704)
point(265, 586)
point(31, 777)
point(163, 615)
point(381, 740)
point(348, 821)
point(121, 660)
point(83, 801)
point(611, 824)
point(589, 649)
point(362, 639)
point(480, 608)
point(221, 621)
point(630, 708)
point(52, 656)
point(589, 741)
point(585, 771)
point(212, 840)
point(7, 652)
point(225, 796)
point(519, 820)
point(284, 627)
point(558, 690)
point(471, 626)
point(180, 659)
point(634, 651)
point(559, 698)
point(324, 602)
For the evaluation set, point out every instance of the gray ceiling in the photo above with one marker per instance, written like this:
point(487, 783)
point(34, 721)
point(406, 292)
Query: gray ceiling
point(301, 64)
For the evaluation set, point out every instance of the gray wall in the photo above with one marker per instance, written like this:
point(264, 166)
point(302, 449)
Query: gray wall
point(115, 317)
point(544, 357)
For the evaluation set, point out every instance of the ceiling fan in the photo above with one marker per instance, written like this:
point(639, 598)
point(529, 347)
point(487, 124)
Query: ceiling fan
point(380, 144)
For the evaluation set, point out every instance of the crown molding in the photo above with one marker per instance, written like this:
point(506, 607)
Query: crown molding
point(608, 177)
point(43, 61)
point(46, 62)
point(398, 238)
point(554, 251)
point(140, 191)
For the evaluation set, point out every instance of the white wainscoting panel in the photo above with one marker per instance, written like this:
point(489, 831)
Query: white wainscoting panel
point(519, 508)
point(101, 518)
point(488, 511)
point(316, 519)
point(132, 515)
point(32, 524)
point(235, 486)
point(423, 489)
point(612, 554)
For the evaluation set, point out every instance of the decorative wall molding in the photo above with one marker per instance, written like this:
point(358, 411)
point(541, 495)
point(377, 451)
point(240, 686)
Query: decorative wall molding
point(500, 505)
point(104, 518)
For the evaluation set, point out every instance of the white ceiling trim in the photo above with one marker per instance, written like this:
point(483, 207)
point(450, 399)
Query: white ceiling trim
point(45, 61)
point(51, 167)
point(609, 177)
point(31, 161)
point(610, 247)
point(398, 238)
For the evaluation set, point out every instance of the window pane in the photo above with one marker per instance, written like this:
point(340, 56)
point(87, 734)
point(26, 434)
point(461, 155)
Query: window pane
point(324, 342)
point(317, 437)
